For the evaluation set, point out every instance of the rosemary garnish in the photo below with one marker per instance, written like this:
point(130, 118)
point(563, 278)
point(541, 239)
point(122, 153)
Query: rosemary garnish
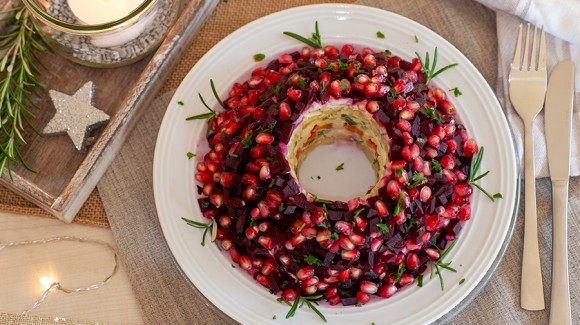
point(212, 113)
point(440, 264)
point(473, 169)
point(18, 83)
point(307, 301)
point(313, 41)
point(207, 226)
point(429, 71)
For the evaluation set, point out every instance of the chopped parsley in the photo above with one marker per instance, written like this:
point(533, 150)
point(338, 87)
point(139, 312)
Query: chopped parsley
point(247, 142)
point(180, 103)
point(436, 165)
point(343, 85)
point(348, 119)
point(340, 167)
point(432, 114)
point(380, 35)
point(259, 57)
point(190, 155)
point(416, 39)
point(416, 180)
point(383, 228)
point(456, 92)
point(399, 272)
point(313, 260)
point(461, 281)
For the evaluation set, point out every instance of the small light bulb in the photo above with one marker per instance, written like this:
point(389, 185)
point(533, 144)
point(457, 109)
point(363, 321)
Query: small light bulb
point(46, 281)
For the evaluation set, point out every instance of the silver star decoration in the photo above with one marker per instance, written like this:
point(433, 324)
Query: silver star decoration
point(75, 115)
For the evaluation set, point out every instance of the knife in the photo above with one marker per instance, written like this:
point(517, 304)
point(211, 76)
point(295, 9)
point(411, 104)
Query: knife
point(558, 123)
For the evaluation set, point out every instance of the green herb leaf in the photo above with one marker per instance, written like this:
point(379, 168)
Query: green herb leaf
point(416, 180)
point(416, 39)
point(313, 260)
point(340, 167)
point(472, 178)
point(216, 94)
point(429, 70)
point(436, 165)
point(432, 114)
point(357, 212)
point(400, 272)
point(461, 281)
point(180, 103)
point(259, 57)
point(314, 41)
point(383, 228)
point(203, 116)
point(456, 92)
point(348, 119)
point(247, 141)
point(420, 281)
point(399, 205)
point(380, 35)
point(311, 306)
point(292, 310)
point(190, 155)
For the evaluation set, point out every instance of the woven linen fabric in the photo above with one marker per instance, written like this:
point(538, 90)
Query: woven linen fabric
point(167, 297)
point(561, 19)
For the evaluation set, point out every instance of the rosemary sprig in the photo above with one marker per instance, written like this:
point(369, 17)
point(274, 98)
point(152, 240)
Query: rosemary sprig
point(18, 83)
point(473, 169)
point(213, 226)
point(212, 113)
point(440, 264)
point(313, 41)
point(429, 71)
point(307, 301)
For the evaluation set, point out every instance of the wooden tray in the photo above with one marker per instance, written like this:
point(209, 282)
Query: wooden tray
point(65, 177)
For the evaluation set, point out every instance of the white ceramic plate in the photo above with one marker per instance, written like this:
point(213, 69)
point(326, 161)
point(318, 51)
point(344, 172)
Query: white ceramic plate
point(232, 290)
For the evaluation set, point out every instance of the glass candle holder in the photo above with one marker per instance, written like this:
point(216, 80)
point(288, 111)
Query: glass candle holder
point(78, 31)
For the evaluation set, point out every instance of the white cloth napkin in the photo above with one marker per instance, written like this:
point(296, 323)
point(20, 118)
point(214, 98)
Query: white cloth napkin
point(560, 20)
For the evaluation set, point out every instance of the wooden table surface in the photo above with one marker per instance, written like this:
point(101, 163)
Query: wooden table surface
point(70, 263)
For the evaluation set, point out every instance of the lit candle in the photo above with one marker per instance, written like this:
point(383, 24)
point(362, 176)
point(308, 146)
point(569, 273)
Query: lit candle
point(95, 12)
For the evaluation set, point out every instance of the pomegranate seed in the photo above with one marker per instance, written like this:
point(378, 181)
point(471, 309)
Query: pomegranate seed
point(331, 291)
point(406, 279)
point(470, 147)
point(368, 287)
point(297, 240)
point(347, 49)
point(447, 162)
point(462, 189)
point(387, 291)
point(370, 60)
point(267, 267)
point(376, 244)
point(305, 273)
point(216, 199)
point(264, 138)
point(285, 59)
point(263, 280)
point(361, 224)
point(313, 281)
point(245, 262)
point(447, 107)
point(399, 85)
point(403, 125)
point(285, 112)
point(393, 189)
point(227, 244)
point(294, 94)
point(464, 212)
point(251, 232)
point(285, 260)
point(425, 194)
point(357, 239)
point(432, 253)
point(412, 261)
point(266, 241)
point(399, 104)
point(309, 232)
point(411, 152)
point(225, 221)
point(372, 106)
point(227, 179)
point(289, 295)
point(309, 290)
point(351, 255)
point(345, 243)
point(265, 173)
point(381, 208)
point(362, 297)
point(343, 227)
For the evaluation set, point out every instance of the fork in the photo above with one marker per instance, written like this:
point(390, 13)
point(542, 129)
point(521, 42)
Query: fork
point(527, 90)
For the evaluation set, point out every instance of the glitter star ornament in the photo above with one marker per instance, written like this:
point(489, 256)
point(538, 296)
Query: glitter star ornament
point(75, 115)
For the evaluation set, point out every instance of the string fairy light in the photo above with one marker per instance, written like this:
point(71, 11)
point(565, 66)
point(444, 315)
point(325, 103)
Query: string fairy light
point(48, 282)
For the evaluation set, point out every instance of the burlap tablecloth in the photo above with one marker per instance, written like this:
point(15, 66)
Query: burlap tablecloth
point(167, 297)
